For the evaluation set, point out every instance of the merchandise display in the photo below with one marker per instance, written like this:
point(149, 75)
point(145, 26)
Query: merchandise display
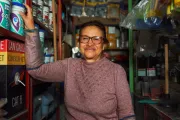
point(17, 23)
point(113, 10)
point(101, 10)
point(19, 1)
point(34, 9)
point(5, 13)
point(46, 16)
point(51, 21)
point(89, 11)
point(40, 13)
point(12, 76)
point(42, 37)
point(76, 10)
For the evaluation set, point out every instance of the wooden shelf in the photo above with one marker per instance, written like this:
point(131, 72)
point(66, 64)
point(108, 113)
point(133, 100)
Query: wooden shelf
point(42, 26)
point(9, 34)
point(125, 49)
point(80, 20)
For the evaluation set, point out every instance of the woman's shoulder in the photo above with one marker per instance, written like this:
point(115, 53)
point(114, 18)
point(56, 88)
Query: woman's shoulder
point(116, 67)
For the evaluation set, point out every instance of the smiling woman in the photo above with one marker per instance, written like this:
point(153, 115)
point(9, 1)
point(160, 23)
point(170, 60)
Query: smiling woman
point(95, 88)
point(92, 40)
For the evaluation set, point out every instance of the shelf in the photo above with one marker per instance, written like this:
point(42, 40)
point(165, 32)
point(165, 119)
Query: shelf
point(19, 115)
point(42, 26)
point(80, 20)
point(125, 49)
point(9, 34)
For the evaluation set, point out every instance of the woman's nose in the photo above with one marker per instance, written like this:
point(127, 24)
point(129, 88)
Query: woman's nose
point(90, 42)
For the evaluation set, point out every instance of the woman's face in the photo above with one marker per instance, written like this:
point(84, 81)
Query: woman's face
point(91, 51)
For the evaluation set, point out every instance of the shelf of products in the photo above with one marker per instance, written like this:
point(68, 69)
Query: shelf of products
point(80, 20)
point(42, 26)
point(8, 33)
point(123, 49)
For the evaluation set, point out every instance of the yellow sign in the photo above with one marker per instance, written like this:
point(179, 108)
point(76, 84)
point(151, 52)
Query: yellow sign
point(12, 58)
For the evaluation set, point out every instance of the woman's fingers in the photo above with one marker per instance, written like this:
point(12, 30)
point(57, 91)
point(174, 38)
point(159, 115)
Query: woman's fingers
point(28, 8)
point(23, 15)
point(28, 18)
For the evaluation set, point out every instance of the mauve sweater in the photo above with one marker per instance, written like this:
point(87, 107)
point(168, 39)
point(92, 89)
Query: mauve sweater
point(93, 91)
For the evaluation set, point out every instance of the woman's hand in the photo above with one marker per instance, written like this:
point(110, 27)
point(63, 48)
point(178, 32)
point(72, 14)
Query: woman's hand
point(28, 18)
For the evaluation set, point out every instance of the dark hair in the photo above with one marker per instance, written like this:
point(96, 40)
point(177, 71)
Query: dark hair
point(97, 24)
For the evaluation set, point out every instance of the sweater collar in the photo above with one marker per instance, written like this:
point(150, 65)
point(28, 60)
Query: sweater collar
point(96, 63)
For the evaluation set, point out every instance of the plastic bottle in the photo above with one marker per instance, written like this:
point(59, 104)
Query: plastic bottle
point(17, 23)
point(4, 13)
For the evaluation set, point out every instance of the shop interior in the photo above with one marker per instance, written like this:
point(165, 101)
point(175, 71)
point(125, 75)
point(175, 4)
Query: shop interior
point(143, 38)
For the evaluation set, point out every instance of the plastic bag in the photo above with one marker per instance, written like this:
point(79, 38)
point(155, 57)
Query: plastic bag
point(147, 14)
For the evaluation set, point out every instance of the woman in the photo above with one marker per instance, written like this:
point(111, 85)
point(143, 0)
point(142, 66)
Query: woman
point(95, 88)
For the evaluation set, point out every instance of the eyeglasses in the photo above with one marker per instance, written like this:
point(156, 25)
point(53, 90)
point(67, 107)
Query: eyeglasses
point(95, 39)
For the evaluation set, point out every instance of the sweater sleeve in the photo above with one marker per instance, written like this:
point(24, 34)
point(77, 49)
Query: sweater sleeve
point(52, 72)
point(125, 107)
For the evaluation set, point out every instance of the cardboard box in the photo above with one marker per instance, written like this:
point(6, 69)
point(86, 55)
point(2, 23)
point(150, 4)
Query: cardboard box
point(12, 76)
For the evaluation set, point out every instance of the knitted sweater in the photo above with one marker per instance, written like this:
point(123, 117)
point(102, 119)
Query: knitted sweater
point(93, 91)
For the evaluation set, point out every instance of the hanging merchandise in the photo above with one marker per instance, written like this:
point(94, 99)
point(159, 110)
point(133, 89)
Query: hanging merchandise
point(147, 14)
point(176, 4)
point(46, 16)
point(17, 23)
point(153, 14)
point(4, 13)
point(101, 10)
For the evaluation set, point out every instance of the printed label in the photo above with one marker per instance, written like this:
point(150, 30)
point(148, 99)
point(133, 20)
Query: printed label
point(16, 101)
point(4, 15)
point(17, 24)
point(12, 46)
point(11, 58)
point(1, 13)
point(15, 21)
point(3, 46)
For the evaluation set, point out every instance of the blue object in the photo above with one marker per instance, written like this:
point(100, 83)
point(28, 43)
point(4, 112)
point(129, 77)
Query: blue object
point(18, 4)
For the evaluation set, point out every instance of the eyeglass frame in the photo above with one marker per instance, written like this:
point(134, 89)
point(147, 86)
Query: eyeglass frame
point(91, 38)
